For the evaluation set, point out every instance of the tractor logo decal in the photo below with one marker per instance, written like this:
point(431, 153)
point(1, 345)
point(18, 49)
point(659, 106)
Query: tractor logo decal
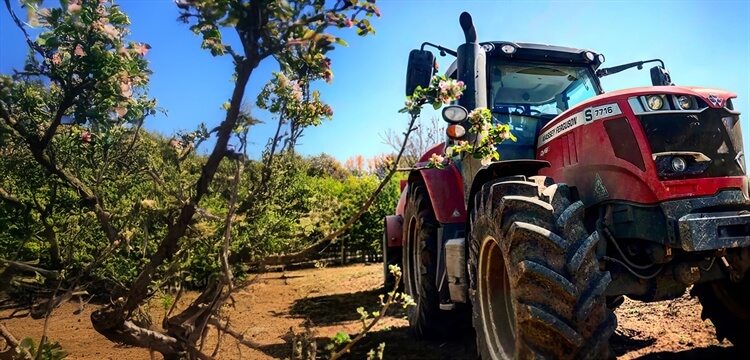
point(580, 118)
point(456, 213)
point(544, 151)
point(599, 188)
point(715, 100)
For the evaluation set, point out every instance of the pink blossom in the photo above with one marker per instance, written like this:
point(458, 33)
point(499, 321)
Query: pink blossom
point(328, 76)
point(141, 49)
point(444, 85)
point(121, 111)
point(436, 159)
point(349, 23)
point(79, 50)
point(296, 90)
point(486, 160)
point(74, 6)
point(110, 31)
point(125, 89)
point(86, 136)
point(57, 59)
point(505, 135)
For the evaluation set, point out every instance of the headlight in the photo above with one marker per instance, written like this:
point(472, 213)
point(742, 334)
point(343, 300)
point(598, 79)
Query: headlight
point(679, 164)
point(655, 102)
point(455, 114)
point(601, 58)
point(589, 56)
point(685, 102)
point(508, 49)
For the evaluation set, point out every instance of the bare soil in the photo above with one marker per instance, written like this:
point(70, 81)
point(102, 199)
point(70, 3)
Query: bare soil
point(277, 302)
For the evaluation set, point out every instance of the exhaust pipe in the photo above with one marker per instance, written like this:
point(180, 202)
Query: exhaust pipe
point(471, 62)
point(467, 25)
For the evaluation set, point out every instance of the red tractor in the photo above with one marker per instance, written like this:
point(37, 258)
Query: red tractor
point(640, 193)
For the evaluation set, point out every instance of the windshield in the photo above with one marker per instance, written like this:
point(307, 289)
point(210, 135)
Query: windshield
point(528, 95)
point(538, 89)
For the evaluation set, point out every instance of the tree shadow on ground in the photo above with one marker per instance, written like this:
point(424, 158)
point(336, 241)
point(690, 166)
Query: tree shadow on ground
point(399, 345)
point(711, 352)
point(333, 309)
point(625, 341)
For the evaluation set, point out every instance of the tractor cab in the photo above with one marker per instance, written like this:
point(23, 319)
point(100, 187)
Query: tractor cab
point(525, 85)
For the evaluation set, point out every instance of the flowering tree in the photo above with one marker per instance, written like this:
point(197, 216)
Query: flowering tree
point(84, 77)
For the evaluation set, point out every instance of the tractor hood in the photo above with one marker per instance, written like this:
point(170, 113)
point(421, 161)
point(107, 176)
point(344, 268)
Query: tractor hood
point(715, 98)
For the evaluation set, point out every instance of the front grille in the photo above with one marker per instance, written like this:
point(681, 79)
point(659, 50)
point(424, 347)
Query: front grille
point(715, 133)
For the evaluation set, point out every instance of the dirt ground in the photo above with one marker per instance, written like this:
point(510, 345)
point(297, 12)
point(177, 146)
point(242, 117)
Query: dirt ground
point(279, 301)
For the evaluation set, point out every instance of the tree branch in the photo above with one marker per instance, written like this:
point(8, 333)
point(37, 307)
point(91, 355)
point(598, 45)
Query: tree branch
point(168, 245)
point(10, 198)
point(228, 330)
point(28, 268)
point(19, 24)
point(89, 198)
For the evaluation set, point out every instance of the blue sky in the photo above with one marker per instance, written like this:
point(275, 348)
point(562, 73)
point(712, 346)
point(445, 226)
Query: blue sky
point(703, 43)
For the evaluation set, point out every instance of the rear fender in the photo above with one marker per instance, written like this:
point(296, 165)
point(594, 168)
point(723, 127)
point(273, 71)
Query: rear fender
point(446, 191)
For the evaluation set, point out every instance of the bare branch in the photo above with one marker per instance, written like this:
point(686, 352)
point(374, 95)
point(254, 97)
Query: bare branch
point(228, 225)
point(12, 345)
point(8, 197)
point(19, 24)
point(28, 268)
point(233, 333)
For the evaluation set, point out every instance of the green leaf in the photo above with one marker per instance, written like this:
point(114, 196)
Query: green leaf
point(341, 42)
point(436, 105)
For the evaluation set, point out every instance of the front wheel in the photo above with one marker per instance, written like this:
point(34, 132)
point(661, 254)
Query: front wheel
point(536, 283)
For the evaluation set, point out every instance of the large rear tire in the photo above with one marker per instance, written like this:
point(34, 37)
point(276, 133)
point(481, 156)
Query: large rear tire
point(727, 305)
point(420, 244)
point(536, 283)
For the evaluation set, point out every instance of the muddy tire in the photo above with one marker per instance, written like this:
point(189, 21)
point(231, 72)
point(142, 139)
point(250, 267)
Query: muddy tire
point(727, 305)
point(419, 269)
point(536, 286)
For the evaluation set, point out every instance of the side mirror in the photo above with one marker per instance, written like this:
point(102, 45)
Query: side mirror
point(660, 76)
point(420, 70)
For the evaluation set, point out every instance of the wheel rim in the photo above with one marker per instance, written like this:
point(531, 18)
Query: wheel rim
point(495, 302)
